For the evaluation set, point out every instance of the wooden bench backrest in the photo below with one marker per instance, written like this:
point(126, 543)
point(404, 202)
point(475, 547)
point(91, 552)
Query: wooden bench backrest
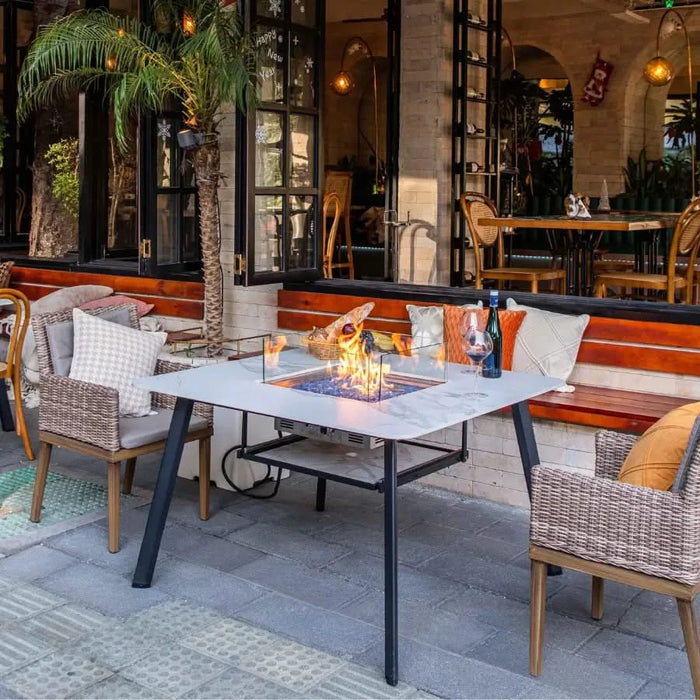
point(651, 346)
point(170, 297)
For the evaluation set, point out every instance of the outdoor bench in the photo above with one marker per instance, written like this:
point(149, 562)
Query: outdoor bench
point(608, 343)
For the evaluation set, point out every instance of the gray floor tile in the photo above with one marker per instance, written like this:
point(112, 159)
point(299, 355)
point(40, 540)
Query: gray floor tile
point(132, 523)
point(220, 523)
point(512, 531)
point(18, 647)
point(236, 683)
point(653, 690)
point(288, 544)
point(65, 623)
point(576, 602)
point(118, 645)
point(33, 563)
point(174, 618)
point(654, 623)
point(8, 694)
point(570, 673)
point(423, 623)
point(200, 548)
point(469, 517)
point(322, 588)
point(102, 590)
point(420, 586)
point(116, 688)
point(445, 674)
point(200, 584)
point(354, 681)
point(90, 545)
point(371, 540)
point(60, 674)
point(24, 601)
point(174, 671)
point(640, 657)
point(323, 629)
point(301, 518)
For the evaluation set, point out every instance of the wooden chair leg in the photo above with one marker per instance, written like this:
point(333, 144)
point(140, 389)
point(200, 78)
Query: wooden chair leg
point(597, 589)
point(348, 243)
point(204, 477)
point(689, 624)
point(42, 471)
point(129, 470)
point(20, 423)
point(599, 290)
point(538, 594)
point(562, 286)
point(534, 286)
point(114, 473)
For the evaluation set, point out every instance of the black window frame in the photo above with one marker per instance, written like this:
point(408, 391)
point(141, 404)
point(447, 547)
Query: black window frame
point(245, 154)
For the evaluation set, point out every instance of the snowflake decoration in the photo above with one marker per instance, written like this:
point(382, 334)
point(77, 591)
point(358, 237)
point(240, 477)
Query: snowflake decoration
point(295, 40)
point(261, 134)
point(309, 64)
point(280, 38)
point(275, 7)
point(56, 121)
point(164, 129)
point(278, 88)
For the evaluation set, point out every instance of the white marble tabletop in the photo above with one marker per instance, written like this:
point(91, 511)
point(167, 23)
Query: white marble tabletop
point(239, 385)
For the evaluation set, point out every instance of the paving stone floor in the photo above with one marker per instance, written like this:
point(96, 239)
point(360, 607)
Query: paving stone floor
point(270, 599)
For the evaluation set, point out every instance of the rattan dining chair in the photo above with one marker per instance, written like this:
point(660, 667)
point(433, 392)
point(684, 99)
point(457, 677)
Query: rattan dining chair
point(331, 207)
point(84, 417)
point(340, 183)
point(612, 530)
point(685, 242)
point(476, 206)
point(10, 366)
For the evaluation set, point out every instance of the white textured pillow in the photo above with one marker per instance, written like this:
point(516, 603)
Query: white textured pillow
point(547, 343)
point(112, 355)
point(427, 323)
point(69, 298)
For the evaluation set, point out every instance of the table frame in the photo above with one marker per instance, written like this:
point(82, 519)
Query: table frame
point(388, 485)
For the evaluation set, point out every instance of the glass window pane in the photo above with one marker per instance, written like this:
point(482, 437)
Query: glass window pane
point(270, 8)
point(272, 50)
point(190, 239)
point(122, 219)
point(167, 226)
point(302, 232)
point(304, 12)
point(268, 233)
point(301, 164)
point(269, 152)
point(302, 73)
point(165, 151)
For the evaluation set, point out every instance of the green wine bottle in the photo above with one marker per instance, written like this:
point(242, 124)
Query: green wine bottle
point(493, 364)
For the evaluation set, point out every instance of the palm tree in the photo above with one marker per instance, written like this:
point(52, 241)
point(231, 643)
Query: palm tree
point(196, 56)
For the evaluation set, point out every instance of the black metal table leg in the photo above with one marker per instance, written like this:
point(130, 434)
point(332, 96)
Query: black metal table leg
point(320, 494)
point(6, 420)
point(391, 588)
point(163, 493)
point(525, 434)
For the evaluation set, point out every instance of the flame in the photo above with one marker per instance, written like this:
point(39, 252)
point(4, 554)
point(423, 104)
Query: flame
point(273, 348)
point(358, 369)
point(402, 343)
point(440, 356)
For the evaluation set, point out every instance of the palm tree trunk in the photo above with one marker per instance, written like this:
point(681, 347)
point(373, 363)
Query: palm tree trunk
point(207, 171)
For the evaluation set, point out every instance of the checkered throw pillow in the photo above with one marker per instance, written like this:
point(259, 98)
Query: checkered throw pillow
point(5, 270)
point(112, 355)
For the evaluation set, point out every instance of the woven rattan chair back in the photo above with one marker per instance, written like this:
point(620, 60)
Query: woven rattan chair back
point(475, 206)
point(688, 478)
point(41, 321)
point(687, 232)
point(331, 207)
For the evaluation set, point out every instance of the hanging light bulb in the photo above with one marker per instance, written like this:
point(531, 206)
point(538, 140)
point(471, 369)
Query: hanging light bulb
point(111, 63)
point(658, 71)
point(121, 32)
point(188, 24)
point(342, 83)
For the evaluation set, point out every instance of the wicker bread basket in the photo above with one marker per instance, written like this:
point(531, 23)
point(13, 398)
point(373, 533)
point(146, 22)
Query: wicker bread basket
point(323, 351)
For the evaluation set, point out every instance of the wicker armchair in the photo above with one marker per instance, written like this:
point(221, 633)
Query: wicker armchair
point(638, 536)
point(84, 417)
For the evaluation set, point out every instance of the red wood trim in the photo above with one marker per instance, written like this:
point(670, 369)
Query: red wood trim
point(180, 308)
point(32, 291)
point(643, 332)
point(594, 420)
point(635, 357)
point(120, 284)
point(300, 321)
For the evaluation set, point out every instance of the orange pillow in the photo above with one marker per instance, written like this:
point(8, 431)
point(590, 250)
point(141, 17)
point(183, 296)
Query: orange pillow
point(654, 460)
point(510, 322)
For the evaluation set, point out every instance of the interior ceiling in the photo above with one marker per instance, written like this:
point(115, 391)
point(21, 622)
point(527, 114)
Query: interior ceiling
point(514, 10)
point(338, 10)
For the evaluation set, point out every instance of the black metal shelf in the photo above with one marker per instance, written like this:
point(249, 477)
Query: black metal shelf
point(484, 76)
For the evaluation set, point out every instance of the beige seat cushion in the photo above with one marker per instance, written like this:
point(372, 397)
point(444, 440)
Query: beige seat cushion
point(143, 430)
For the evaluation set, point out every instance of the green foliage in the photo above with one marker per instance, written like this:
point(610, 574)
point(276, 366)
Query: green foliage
point(144, 68)
point(670, 177)
point(4, 133)
point(680, 123)
point(62, 157)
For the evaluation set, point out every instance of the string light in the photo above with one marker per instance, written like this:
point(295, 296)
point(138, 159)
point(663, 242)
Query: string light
point(111, 63)
point(188, 24)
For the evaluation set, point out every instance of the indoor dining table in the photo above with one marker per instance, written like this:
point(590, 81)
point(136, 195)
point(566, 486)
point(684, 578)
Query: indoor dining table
point(397, 423)
point(582, 238)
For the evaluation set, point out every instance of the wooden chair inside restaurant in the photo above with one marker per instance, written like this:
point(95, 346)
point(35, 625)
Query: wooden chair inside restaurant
point(84, 417)
point(340, 183)
point(475, 206)
point(14, 302)
point(331, 208)
point(637, 536)
point(685, 242)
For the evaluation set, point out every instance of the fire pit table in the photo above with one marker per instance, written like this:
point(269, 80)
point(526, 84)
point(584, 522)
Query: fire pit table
point(371, 443)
